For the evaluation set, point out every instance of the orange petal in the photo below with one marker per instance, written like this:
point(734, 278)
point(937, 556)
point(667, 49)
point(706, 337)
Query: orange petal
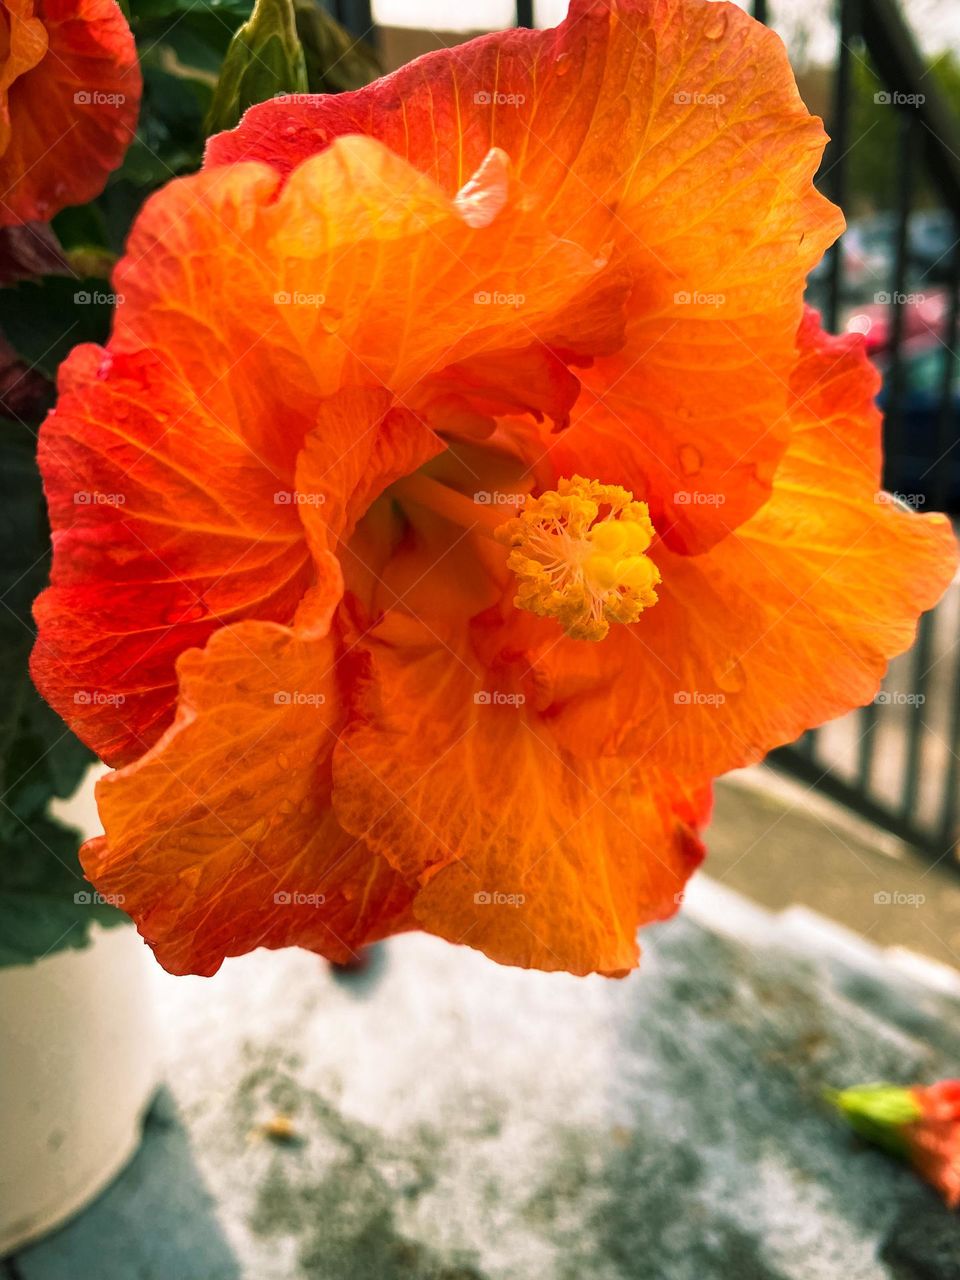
point(225, 257)
point(244, 311)
point(786, 623)
point(165, 527)
point(221, 838)
point(169, 525)
point(184, 437)
point(532, 380)
point(361, 444)
point(534, 857)
point(69, 97)
point(673, 132)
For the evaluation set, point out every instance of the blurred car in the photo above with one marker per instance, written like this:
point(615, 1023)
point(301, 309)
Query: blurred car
point(917, 465)
point(924, 316)
point(932, 238)
point(869, 252)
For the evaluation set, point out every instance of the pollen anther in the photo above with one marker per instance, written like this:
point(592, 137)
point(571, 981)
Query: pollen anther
point(578, 555)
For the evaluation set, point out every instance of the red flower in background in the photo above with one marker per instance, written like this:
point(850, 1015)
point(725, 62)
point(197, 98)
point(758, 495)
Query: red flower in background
point(934, 1137)
point(919, 1123)
point(69, 99)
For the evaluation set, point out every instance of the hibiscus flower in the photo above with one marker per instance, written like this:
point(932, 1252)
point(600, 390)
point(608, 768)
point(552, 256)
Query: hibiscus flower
point(462, 488)
point(919, 1123)
point(69, 97)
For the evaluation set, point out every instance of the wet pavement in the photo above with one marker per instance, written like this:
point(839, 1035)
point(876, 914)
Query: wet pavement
point(440, 1118)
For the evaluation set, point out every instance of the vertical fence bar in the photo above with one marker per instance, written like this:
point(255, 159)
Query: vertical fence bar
point(928, 135)
point(949, 832)
point(893, 432)
point(892, 416)
point(894, 436)
point(836, 174)
point(524, 13)
point(921, 659)
point(945, 492)
point(947, 461)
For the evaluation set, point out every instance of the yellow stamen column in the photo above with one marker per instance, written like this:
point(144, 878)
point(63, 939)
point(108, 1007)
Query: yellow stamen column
point(578, 552)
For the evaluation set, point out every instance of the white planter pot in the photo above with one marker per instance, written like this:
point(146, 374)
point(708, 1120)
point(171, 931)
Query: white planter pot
point(79, 1066)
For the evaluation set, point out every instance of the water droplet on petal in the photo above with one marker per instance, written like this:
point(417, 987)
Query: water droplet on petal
point(283, 760)
point(716, 23)
point(330, 319)
point(190, 876)
point(482, 197)
point(257, 830)
point(562, 64)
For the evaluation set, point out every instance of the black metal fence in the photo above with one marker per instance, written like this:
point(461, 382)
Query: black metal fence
point(897, 761)
point(895, 275)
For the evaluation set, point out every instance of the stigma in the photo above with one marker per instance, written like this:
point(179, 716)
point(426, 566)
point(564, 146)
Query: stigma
point(578, 552)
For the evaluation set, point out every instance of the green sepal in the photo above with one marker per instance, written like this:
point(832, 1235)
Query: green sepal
point(265, 58)
point(878, 1112)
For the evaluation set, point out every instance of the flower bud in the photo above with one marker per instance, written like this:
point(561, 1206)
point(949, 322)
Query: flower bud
point(265, 58)
point(918, 1124)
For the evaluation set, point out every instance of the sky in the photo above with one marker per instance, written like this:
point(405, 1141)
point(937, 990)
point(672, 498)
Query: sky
point(806, 25)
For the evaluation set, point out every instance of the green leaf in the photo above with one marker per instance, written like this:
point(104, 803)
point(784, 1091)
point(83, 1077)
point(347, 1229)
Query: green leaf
point(46, 905)
point(265, 58)
point(40, 874)
point(44, 319)
point(80, 225)
point(39, 757)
